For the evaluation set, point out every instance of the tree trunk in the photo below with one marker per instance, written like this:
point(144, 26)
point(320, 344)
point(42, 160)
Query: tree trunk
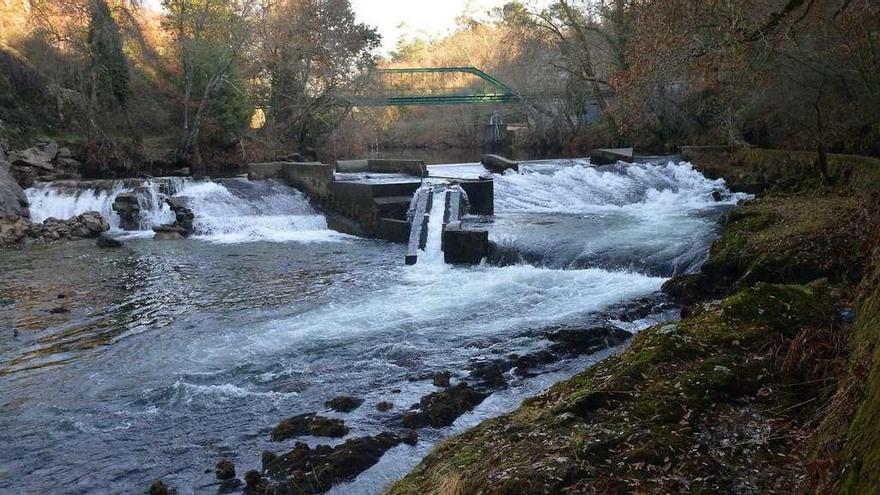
point(191, 132)
point(587, 71)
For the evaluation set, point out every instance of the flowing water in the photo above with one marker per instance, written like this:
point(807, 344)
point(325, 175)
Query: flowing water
point(153, 361)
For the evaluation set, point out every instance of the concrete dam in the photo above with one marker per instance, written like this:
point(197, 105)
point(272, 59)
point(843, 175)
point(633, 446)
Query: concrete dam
point(396, 200)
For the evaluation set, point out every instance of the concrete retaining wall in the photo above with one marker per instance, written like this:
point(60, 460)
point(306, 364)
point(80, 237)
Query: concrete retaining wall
point(311, 177)
point(481, 196)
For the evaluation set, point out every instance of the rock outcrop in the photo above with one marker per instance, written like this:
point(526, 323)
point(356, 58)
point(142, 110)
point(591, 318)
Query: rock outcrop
point(184, 223)
point(309, 424)
point(127, 206)
point(44, 162)
point(441, 409)
point(306, 470)
point(13, 202)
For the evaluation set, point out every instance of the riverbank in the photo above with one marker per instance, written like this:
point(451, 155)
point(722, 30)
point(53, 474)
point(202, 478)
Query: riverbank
point(768, 384)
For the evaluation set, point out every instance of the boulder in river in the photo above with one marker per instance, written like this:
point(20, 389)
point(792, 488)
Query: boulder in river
point(309, 424)
point(169, 232)
point(344, 403)
point(225, 469)
point(127, 206)
point(254, 484)
point(579, 341)
point(160, 488)
point(13, 231)
point(490, 374)
point(442, 408)
point(184, 217)
point(107, 242)
point(441, 378)
point(306, 470)
point(411, 437)
point(384, 406)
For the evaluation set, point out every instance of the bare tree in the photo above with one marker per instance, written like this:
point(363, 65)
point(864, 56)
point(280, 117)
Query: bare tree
point(211, 37)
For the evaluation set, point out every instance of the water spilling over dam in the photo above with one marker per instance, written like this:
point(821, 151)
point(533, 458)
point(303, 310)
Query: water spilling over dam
point(169, 355)
point(228, 210)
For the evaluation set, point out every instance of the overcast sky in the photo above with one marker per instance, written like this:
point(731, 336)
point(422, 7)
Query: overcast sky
point(411, 17)
point(423, 17)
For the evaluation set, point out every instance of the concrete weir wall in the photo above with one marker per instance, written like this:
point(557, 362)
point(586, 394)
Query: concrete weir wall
point(312, 178)
point(378, 209)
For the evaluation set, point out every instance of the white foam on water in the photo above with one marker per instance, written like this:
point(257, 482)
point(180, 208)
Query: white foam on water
point(236, 211)
point(65, 202)
point(448, 303)
point(243, 211)
point(433, 252)
point(48, 201)
point(642, 189)
point(187, 392)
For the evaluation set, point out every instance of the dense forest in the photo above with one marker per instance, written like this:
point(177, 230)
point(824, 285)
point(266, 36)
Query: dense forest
point(216, 83)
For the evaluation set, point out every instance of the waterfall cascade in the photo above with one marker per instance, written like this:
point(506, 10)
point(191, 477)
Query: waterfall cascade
point(435, 207)
point(227, 211)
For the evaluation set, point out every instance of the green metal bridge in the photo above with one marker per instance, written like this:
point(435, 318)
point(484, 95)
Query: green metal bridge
point(434, 86)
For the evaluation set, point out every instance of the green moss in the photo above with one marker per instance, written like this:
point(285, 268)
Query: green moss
point(636, 409)
point(788, 239)
point(762, 170)
point(786, 308)
point(862, 454)
point(722, 377)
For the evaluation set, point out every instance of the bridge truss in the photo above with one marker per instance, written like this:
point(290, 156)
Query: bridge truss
point(434, 86)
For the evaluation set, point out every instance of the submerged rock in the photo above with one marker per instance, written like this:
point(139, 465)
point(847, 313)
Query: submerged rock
point(344, 403)
point(225, 469)
point(441, 378)
point(107, 242)
point(306, 470)
point(160, 488)
point(309, 424)
point(254, 483)
point(441, 409)
point(579, 341)
point(384, 406)
point(169, 232)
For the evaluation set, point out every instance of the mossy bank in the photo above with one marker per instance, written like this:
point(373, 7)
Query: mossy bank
point(769, 384)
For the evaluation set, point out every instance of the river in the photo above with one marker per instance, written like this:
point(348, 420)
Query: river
point(155, 360)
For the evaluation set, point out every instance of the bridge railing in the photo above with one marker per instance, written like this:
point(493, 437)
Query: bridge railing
point(408, 87)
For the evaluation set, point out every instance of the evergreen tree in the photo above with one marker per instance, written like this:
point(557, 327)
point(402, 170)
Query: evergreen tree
point(107, 55)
